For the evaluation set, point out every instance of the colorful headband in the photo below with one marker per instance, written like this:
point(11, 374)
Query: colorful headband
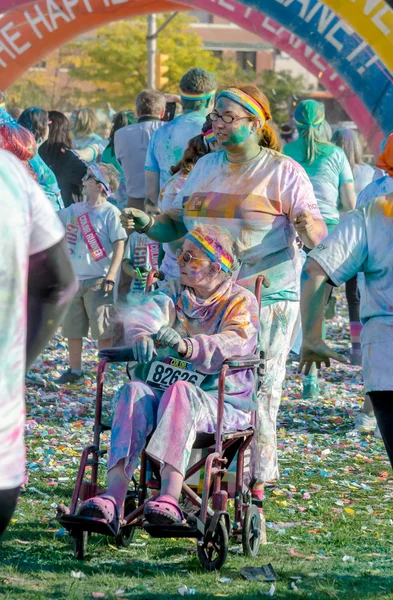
point(196, 95)
point(209, 136)
point(307, 125)
point(212, 248)
point(244, 100)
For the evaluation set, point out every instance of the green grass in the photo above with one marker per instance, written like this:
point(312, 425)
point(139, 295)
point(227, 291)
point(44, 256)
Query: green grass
point(334, 500)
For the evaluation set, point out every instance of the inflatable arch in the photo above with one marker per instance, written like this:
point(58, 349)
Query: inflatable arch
point(373, 21)
point(316, 37)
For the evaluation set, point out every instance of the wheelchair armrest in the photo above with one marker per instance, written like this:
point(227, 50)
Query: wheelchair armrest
point(119, 354)
point(243, 362)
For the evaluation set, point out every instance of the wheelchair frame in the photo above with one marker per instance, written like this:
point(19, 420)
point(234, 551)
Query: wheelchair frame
point(211, 526)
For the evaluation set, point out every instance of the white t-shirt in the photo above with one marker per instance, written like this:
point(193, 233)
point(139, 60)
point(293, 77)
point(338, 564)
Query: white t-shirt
point(363, 242)
point(28, 225)
point(168, 194)
point(362, 175)
point(90, 233)
point(256, 202)
point(142, 252)
point(131, 144)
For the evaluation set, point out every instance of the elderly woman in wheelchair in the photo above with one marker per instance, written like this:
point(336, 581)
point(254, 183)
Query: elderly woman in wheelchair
point(180, 336)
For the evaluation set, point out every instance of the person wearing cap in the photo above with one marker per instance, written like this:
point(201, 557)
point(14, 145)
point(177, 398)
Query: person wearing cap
point(203, 317)
point(197, 90)
point(264, 199)
point(332, 179)
point(96, 241)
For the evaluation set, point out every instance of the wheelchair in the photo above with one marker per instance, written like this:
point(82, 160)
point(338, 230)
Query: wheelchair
point(209, 521)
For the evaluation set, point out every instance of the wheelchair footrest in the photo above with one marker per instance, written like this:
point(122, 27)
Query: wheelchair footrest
point(90, 524)
point(177, 530)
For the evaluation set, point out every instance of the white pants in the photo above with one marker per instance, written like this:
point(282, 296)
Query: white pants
point(279, 327)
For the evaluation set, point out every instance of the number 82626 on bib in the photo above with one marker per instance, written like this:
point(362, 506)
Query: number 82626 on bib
point(163, 374)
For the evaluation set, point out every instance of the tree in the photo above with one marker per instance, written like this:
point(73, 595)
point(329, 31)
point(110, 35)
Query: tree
point(280, 88)
point(115, 60)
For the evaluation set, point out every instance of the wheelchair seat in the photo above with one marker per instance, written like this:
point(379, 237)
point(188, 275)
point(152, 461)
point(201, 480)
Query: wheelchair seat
point(206, 440)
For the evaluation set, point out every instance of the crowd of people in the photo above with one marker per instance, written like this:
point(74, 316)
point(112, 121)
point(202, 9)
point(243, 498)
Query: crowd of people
point(209, 200)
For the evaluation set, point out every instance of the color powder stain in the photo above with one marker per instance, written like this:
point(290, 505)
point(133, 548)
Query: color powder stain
point(239, 135)
point(387, 208)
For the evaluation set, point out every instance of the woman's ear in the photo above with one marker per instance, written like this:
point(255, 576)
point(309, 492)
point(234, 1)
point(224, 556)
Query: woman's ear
point(215, 268)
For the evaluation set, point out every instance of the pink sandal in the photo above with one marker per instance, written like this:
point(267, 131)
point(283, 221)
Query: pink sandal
point(102, 509)
point(163, 510)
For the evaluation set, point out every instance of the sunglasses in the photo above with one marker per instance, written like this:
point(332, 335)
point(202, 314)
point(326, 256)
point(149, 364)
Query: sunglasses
point(187, 257)
point(88, 176)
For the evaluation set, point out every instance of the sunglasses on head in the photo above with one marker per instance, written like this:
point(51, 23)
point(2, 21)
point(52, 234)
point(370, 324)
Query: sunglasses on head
point(187, 257)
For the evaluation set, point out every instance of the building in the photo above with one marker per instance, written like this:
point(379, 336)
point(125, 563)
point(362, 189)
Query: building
point(251, 53)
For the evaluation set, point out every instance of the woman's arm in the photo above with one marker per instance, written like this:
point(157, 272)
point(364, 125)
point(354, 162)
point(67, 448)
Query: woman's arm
point(90, 153)
point(311, 231)
point(164, 229)
point(312, 305)
point(348, 196)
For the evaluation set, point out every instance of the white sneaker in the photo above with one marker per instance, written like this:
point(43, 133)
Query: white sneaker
point(377, 433)
point(365, 423)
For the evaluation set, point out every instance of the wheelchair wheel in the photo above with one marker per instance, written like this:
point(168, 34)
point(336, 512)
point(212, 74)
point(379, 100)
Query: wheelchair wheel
point(213, 549)
point(125, 535)
point(79, 544)
point(252, 531)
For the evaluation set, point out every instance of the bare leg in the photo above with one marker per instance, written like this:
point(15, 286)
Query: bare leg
point(75, 353)
point(118, 483)
point(171, 481)
point(367, 406)
point(104, 344)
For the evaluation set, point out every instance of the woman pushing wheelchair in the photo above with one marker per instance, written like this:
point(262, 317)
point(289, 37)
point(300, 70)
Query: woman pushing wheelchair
point(180, 336)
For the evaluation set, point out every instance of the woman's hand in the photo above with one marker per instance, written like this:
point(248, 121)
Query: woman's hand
point(169, 338)
point(134, 219)
point(304, 223)
point(317, 353)
point(143, 349)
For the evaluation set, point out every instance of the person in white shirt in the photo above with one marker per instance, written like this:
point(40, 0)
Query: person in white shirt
point(131, 143)
point(37, 284)
point(361, 242)
point(347, 140)
point(95, 240)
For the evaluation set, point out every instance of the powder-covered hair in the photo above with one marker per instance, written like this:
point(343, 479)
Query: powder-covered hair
point(35, 120)
point(19, 141)
point(348, 140)
point(198, 81)
point(111, 174)
point(224, 239)
point(309, 120)
point(85, 122)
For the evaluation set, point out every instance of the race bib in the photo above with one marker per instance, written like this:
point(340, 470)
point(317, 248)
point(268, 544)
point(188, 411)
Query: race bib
point(165, 373)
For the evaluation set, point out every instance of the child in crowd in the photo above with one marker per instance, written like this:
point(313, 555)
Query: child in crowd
point(141, 255)
point(96, 241)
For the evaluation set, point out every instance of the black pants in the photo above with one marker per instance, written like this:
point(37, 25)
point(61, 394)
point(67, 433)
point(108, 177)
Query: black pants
point(383, 409)
point(8, 500)
point(351, 292)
